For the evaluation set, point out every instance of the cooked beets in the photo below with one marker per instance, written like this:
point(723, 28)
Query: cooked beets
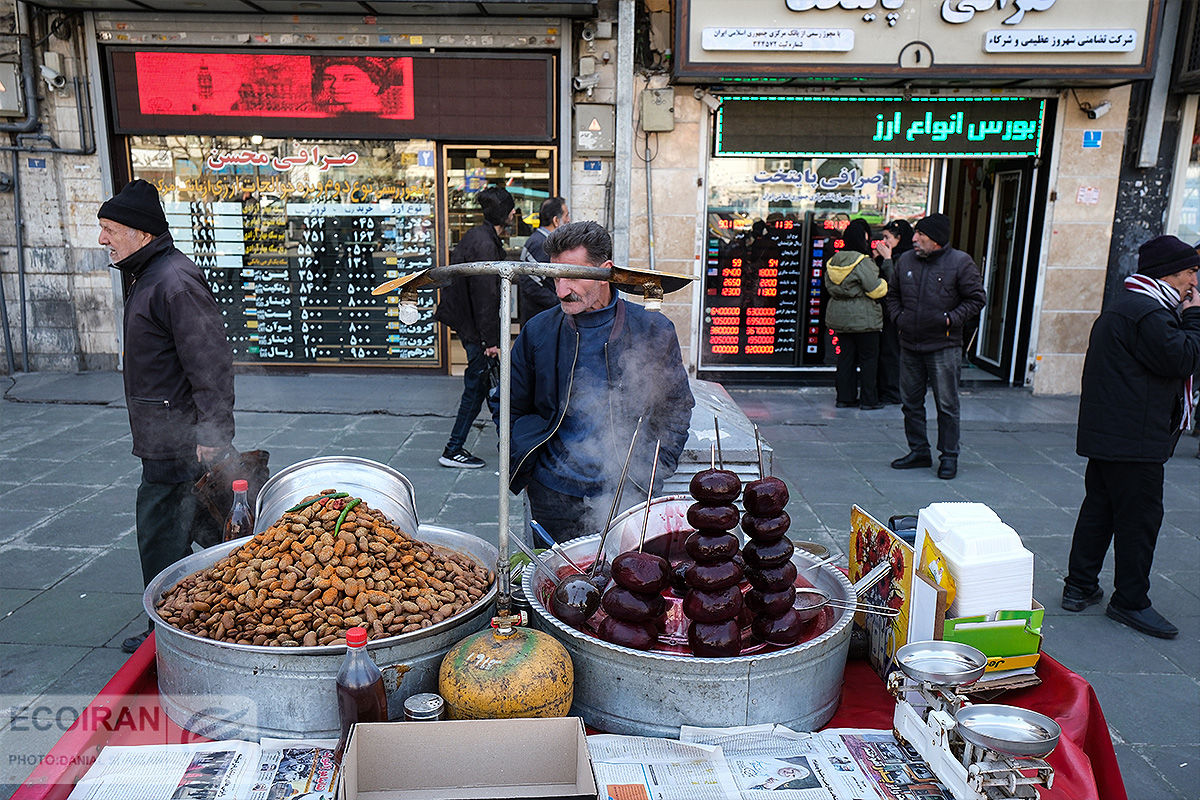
point(774, 554)
point(711, 577)
point(715, 639)
point(715, 606)
point(678, 577)
point(630, 606)
point(708, 546)
point(772, 579)
point(708, 517)
point(766, 529)
point(640, 572)
point(770, 604)
point(638, 635)
point(575, 601)
point(781, 631)
point(765, 497)
point(715, 486)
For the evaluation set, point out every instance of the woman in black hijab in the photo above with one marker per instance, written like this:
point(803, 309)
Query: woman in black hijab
point(897, 238)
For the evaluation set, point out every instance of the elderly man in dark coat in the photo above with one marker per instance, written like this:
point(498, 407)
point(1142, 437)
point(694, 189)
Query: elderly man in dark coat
point(1136, 400)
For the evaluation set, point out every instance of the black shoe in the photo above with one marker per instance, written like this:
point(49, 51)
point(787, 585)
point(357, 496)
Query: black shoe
point(871, 406)
point(947, 468)
point(1075, 600)
point(1147, 620)
point(846, 404)
point(131, 644)
point(913, 461)
point(461, 459)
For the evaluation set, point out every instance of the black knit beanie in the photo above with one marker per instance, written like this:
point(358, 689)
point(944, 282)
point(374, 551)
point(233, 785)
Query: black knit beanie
point(496, 203)
point(138, 207)
point(1166, 255)
point(936, 227)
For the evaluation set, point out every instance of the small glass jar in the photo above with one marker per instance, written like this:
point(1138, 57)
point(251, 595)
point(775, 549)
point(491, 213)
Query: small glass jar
point(424, 707)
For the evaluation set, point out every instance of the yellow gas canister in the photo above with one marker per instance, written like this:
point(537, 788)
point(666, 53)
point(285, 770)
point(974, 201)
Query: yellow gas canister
point(493, 675)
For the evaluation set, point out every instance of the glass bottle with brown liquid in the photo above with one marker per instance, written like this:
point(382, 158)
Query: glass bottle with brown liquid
point(360, 693)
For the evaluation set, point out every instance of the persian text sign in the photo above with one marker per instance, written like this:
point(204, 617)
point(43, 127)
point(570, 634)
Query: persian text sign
point(879, 126)
point(1061, 41)
point(827, 39)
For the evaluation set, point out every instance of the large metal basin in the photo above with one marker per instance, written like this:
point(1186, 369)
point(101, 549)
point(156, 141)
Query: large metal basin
point(235, 691)
point(380, 486)
point(621, 690)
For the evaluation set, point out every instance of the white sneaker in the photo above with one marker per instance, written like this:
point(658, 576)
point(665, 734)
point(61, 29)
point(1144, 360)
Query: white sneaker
point(461, 459)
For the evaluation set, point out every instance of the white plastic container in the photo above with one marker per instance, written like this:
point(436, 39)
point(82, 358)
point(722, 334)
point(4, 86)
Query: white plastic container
point(992, 569)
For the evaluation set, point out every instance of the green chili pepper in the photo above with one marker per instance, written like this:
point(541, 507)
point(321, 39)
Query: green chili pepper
point(308, 503)
point(345, 511)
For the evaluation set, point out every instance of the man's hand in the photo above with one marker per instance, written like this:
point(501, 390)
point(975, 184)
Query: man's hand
point(1191, 299)
point(492, 352)
point(207, 455)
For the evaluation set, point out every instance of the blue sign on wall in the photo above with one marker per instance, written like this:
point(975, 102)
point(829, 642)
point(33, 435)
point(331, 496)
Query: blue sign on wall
point(1092, 139)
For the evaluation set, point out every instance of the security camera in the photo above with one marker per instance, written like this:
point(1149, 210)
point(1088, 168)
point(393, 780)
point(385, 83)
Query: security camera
point(709, 100)
point(53, 78)
point(589, 32)
point(1097, 111)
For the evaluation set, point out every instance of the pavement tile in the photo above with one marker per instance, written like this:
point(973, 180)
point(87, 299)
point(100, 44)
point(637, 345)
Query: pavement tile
point(50, 497)
point(17, 522)
point(80, 527)
point(12, 599)
point(23, 470)
point(1179, 765)
point(26, 672)
point(37, 567)
point(1125, 701)
point(114, 571)
point(1071, 639)
point(62, 614)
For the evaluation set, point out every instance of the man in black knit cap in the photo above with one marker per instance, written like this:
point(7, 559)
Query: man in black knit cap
point(1135, 402)
point(178, 374)
point(936, 290)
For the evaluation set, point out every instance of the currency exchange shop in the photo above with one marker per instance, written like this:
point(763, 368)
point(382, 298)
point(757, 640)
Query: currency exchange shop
point(299, 180)
point(788, 173)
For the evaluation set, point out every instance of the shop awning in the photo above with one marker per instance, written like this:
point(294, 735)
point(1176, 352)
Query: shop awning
point(507, 8)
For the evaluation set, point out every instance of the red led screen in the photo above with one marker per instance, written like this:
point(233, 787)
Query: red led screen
point(336, 95)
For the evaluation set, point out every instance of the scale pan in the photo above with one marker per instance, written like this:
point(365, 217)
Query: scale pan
point(941, 663)
point(1009, 730)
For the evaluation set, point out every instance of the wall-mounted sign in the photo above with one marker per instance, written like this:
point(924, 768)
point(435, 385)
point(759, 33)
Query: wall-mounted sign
point(1092, 140)
point(864, 40)
point(334, 94)
point(879, 126)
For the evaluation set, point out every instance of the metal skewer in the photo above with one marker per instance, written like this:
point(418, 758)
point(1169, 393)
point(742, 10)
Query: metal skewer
point(612, 511)
point(649, 494)
point(717, 434)
point(762, 472)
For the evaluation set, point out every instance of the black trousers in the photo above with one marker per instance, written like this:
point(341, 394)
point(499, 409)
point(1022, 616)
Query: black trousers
point(889, 362)
point(165, 508)
point(858, 362)
point(1123, 505)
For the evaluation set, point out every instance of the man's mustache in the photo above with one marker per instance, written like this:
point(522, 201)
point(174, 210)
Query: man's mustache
point(570, 298)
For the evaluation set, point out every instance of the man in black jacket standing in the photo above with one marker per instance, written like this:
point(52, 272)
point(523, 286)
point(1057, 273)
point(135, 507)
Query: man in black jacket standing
point(178, 373)
point(470, 306)
point(537, 294)
point(936, 290)
point(1134, 403)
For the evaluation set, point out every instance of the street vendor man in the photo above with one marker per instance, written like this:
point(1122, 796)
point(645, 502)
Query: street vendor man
point(583, 373)
point(178, 374)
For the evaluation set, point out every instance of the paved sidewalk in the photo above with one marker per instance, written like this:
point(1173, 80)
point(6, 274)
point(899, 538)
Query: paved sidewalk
point(70, 588)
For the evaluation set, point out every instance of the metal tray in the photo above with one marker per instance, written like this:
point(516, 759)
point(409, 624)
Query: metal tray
point(382, 487)
point(941, 663)
point(1007, 729)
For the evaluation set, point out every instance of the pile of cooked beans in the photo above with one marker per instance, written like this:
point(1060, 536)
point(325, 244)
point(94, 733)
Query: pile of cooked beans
point(329, 564)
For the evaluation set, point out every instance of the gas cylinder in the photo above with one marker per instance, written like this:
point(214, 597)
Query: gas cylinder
point(498, 675)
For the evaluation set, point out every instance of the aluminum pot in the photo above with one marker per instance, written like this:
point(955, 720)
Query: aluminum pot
point(236, 691)
point(621, 690)
point(380, 486)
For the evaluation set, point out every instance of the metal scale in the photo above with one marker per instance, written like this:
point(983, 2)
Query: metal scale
point(650, 284)
point(979, 752)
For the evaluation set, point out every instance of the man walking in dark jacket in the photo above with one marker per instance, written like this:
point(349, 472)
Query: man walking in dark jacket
point(470, 306)
point(1135, 401)
point(537, 293)
point(582, 375)
point(937, 289)
point(178, 374)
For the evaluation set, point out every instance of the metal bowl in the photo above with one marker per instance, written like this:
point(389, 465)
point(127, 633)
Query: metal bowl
point(1009, 730)
point(382, 488)
point(621, 690)
point(941, 663)
point(239, 691)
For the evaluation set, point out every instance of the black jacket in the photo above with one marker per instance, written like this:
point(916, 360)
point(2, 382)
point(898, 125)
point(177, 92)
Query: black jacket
point(178, 363)
point(1131, 400)
point(470, 305)
point(926, 292)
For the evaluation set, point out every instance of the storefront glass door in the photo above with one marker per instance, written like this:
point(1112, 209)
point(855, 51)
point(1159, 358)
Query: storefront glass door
point(1002, 248)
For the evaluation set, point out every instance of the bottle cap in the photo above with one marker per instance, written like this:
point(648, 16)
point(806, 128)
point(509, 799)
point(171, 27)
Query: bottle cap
point(240, 486)
point(356, 637)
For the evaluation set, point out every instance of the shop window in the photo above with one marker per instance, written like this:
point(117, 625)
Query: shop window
point(772, 224)
point(1188, 227)
point(292, 235)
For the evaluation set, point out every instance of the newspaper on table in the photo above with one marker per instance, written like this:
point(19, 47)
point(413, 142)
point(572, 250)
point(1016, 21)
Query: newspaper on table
point(646, 768)
point(772, 762)
point(276, 769)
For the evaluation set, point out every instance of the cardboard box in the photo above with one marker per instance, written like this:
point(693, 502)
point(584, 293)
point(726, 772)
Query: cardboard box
point(467, 760)
point(1011, 640)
